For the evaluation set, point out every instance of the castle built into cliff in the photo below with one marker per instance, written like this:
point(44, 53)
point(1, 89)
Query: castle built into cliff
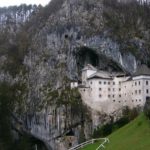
point(108, 92)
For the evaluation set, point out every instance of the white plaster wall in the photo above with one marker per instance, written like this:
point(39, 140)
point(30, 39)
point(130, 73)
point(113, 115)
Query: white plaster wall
point(100, 89)
point(86, 74)
point(109, 95)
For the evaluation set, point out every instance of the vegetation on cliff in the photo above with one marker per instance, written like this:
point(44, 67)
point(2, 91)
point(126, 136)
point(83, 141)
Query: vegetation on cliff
point(128, 24)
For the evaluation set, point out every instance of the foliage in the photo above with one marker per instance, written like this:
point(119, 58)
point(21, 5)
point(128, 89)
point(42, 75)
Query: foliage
point(24, 143)
point(128, 21)
point(147, 108)
point(134, 135)
point(82, 136)
point(105, 130)
point(6, 105)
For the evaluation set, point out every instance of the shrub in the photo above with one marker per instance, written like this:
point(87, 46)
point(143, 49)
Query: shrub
point(147, 107)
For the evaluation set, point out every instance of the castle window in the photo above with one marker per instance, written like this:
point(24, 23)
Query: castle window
point(104, 82)
point(113, 100)
point(108, 96)
point(119, 101)
point(139, 100)
point(100, 82)
point(146, 82)
point(119, 82)
point(100, 95)
point(136, 100)
point(139, 91)
point(113, 89)
point(109, 89)
point(135, 91)
point(84, 90)
point(132, 100)
point(100, 89)
point(108, 83)
point(119, 89)
point(147, 91)
point(119, 95)
point(113, 83)
point(135, 83)
point(91, 82)
point(139, 83)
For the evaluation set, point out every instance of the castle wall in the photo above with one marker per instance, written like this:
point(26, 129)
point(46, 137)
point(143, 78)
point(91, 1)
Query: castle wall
point(110, 94)
point(86, 74)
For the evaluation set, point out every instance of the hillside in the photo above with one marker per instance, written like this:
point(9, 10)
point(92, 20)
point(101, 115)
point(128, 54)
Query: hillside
point(133, 136)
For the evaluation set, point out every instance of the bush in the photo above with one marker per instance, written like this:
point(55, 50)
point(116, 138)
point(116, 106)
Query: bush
point(147, 108)
point(105, 130)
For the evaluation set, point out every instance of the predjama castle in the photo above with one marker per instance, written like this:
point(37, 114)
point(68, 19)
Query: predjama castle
point(107, 92)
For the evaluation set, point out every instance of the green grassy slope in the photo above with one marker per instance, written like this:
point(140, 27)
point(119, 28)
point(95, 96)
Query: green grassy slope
point(91, 146)
point(133, 136)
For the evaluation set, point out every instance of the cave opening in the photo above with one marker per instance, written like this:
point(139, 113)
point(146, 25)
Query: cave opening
point(86, 56)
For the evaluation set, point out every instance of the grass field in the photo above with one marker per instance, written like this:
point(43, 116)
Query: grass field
point(133, 136)
point(92, 146)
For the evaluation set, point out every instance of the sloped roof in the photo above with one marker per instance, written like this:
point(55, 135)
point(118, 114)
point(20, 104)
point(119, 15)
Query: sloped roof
point(101, 74)
point(89, 67)
point(119, 74)
point(142, 70)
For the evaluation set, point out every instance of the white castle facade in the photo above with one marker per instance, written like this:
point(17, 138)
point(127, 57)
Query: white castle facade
point(107, 92)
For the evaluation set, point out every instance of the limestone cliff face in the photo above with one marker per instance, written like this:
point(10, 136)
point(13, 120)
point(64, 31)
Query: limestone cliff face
point(69, 37)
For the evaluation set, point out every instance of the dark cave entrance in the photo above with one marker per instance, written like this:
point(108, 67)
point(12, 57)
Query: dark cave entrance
point(86, 56)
